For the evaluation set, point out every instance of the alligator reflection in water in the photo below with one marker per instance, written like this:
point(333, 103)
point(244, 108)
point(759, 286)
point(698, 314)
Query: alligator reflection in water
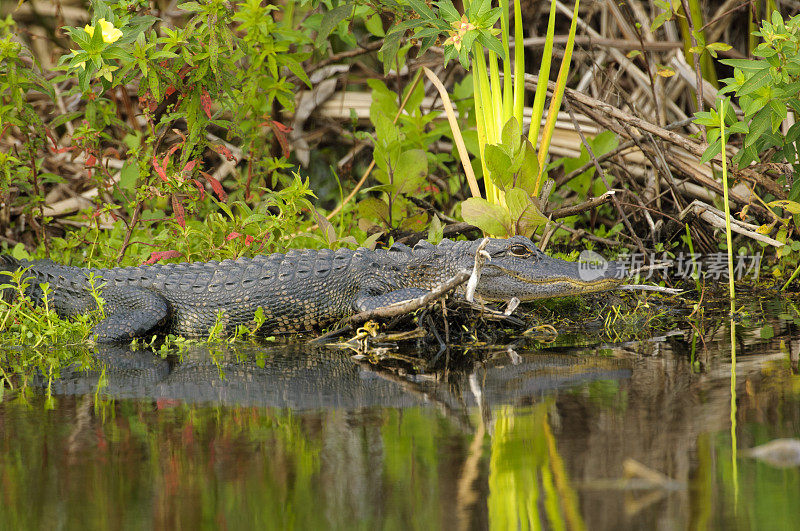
point(282, 438)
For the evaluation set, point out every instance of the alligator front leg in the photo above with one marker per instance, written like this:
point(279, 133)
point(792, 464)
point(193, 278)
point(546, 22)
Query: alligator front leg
point(365, 303)
point(130, 312)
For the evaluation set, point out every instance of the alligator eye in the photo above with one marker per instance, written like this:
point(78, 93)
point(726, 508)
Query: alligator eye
point(519, 250)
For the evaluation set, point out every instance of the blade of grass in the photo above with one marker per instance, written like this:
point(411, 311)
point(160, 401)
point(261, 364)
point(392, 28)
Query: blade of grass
point(451, 117)
point(519, 65)
point(544, 75)
point(508, 89)
point(558, 94)
point(725, 199)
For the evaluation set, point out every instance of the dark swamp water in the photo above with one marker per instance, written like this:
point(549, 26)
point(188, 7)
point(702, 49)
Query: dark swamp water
point(578, 434)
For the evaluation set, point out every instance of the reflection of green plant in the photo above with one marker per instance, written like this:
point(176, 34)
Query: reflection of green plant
point(524, 456)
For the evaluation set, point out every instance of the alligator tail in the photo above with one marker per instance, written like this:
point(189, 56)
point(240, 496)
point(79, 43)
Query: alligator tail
point(8, 263)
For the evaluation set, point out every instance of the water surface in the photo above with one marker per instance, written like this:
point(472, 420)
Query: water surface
point(605, 436)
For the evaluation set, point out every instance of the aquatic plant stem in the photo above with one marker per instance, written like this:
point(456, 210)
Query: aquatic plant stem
point(725, 198)
point(734, 464)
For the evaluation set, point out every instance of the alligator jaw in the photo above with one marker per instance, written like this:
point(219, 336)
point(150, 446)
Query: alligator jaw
point(548, 278)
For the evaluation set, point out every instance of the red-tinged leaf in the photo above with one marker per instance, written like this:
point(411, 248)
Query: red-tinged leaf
point(279, 126)
point(97, 213)
point(232, 236)
point(169, 90)
point(205, 103)
point(180, 213)
point(224, 151)
point(91, 160)
point(190, 166)
point(159, 170)
point(156, 256)
point(215, 184)
point(281, 136)
point(200, 188)
point(55, 148)
point(248, 239)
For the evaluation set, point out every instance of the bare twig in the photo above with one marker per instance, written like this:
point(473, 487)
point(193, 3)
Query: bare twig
point(405, 307)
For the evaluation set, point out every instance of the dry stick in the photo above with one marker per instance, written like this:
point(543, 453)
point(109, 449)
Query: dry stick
point(583, 207)
point(131, 226)
point(412, 305)
point(680, 164)
point(371, 47)
point(651, 156)
point(614, 152)
point(602, 175)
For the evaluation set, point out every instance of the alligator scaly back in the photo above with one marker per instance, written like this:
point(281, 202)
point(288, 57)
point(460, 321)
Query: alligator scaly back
point(300, 290)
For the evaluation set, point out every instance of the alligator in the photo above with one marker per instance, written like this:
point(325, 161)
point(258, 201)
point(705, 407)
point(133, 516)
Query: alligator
point(297, 291)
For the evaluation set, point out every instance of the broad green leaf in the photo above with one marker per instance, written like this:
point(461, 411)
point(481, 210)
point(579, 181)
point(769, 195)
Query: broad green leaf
point(525, 215)
point(511, 135)
point(411, 169)
point(414, 223)
point(529, 171)
point(490, 218)
point(604, 142)
point(435, 231)
point(499, 165)
point(373, 208)
point(129, 174)
point(449, 11)
point(759, 79)
point(779, 113)
point(491, 43)
point(391, 44)
point(374, 25)
point(402, 27)
point(421, 8)
point(330, 21)
point(761, 124)
point(711, 151)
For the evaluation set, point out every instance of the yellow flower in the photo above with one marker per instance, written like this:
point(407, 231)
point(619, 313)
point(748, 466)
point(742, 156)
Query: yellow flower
point(110, 33)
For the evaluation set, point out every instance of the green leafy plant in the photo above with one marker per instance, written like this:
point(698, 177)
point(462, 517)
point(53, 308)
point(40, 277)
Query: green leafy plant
point(402, 159)
point(471, 37)
point(767, 88)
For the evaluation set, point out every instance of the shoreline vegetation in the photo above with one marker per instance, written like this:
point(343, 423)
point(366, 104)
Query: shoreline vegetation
point(140, 132)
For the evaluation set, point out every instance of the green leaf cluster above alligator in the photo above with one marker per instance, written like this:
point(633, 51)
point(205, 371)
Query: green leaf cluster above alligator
point(300, 290)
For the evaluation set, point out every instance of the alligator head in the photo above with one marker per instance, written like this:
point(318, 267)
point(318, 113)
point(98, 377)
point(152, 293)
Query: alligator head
point(518, 268)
